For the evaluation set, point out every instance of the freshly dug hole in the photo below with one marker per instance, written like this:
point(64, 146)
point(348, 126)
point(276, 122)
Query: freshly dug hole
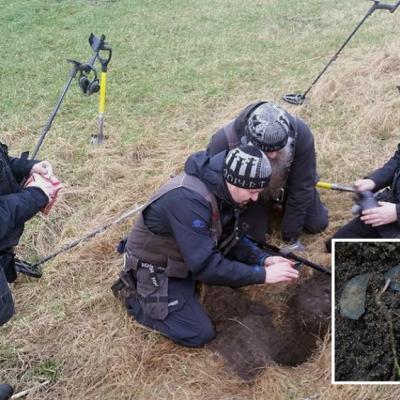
point(249, 341)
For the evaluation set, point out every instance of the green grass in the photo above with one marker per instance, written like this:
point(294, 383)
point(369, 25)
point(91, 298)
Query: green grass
point(167, 55)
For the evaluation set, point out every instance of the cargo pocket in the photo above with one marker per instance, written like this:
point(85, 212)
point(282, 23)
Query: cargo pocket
point(152, 290)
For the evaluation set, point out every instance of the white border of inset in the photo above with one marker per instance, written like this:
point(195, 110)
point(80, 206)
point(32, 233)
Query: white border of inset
point(333, 382)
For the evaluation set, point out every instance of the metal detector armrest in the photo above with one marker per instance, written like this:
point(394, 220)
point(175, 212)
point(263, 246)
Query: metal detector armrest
point(382, 6)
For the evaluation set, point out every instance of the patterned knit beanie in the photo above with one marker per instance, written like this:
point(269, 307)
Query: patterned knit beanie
point(247, 167)
point(268, 128)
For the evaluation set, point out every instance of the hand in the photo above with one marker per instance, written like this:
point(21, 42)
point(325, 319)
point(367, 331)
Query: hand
point(361, 185)
point(43, 168)
point(280, 272)
point(385, 214)
point(49, 187)
point(276, 259)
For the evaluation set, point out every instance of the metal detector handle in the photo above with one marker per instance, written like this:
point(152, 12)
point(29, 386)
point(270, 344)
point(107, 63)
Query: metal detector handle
point(98, 45)
point(390, 7)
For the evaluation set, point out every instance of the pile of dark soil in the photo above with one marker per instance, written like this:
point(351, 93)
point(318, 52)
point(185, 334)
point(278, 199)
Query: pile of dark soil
point(247, 338)
point(363, 350)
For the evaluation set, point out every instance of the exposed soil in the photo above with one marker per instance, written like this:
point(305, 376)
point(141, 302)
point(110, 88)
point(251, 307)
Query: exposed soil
point(247, 338)
point(363, 351)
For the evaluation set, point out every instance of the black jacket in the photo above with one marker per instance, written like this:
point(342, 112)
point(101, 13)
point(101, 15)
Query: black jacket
point(302, 177)
point(388, 175)
point(16, 205)
point(186, 216)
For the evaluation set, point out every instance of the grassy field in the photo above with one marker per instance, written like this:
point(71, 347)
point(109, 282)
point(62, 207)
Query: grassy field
point(180, 70)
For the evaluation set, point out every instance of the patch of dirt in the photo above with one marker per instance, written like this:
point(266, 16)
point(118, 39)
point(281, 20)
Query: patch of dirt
point(249, 341)
point(363, 350)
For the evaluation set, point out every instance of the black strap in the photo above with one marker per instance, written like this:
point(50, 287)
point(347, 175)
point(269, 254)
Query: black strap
point(152, 272)
point(230, 241)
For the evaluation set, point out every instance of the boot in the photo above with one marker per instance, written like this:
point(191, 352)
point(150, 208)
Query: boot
point(6, 391)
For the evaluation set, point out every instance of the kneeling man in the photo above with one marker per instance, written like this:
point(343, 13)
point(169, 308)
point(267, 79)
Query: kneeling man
point(188, 233)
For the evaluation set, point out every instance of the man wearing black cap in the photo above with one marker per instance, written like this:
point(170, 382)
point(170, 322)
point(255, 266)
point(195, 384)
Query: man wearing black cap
point(289, 145)
point(187, 232)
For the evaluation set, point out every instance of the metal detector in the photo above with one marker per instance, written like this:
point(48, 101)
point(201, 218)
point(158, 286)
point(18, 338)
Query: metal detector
point(99, 137)
point(299, 99)
point(97, 45)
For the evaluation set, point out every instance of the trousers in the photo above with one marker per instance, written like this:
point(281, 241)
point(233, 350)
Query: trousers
point(7, 309)
point(357, 229)
point(187, 322)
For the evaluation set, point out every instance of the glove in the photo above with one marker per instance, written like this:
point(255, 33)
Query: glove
point(49, 185)
point(294, 246)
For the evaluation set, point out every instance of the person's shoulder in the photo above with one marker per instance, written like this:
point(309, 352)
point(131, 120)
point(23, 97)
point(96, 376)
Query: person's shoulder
point(219, 141)
point(182, 197)
point(300, 126)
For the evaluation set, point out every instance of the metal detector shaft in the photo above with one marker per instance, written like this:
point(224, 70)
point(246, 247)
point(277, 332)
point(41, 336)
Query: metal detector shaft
point(93, 233)
point(292, 256)
point(334, 186)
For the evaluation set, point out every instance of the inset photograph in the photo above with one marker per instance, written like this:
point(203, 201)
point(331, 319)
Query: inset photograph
point(366, 327)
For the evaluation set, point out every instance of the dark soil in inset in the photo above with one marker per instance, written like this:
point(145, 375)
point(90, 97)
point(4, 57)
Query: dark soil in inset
point(363, 349)
point(247, 339)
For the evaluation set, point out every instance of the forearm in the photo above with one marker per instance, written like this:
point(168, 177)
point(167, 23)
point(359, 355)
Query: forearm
point(17, 208)
point(21, 167)
point(248, 252)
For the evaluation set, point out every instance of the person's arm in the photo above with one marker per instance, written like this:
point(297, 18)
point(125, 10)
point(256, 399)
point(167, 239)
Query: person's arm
point(21, 167)
point(300, 185)
point(17, 208)
point(247, 251)
point(190, 225)
point(383, 176)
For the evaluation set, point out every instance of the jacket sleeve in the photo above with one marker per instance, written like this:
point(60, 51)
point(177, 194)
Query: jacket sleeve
point(383, 176)
point(21, 167)
point(248, 252)
point(17, 208)
point(190, 225)
point(300, 184)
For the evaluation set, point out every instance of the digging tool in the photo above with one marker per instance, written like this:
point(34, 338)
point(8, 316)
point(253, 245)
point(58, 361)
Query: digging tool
point(334, 186)
point(35, 270)
point(289, 255)
point(97, 44)
point(299, 99)
point(99, 138)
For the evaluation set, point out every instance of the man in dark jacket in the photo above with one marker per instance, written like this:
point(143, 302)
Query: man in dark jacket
point(379, 222)
point(17, 206)
point(187, 232)
point(289, 145)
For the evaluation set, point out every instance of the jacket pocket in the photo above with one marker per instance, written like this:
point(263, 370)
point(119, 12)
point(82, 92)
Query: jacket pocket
point(152, 290)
